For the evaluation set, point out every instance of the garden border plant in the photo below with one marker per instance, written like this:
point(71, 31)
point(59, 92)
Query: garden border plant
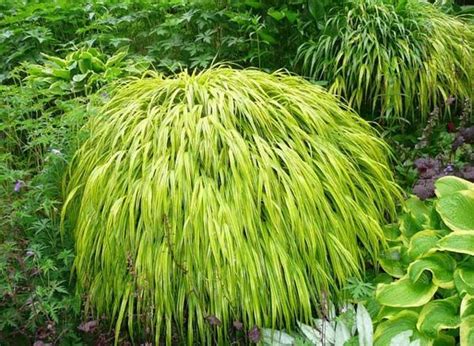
point(392, 60)
point(223, 194)
point(432, 258)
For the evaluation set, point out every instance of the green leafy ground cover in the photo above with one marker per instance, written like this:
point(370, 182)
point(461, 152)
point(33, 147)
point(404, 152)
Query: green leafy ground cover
point(61, 62)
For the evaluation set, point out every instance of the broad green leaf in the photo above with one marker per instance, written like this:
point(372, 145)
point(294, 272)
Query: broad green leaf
point(409, 225)
point(267, 37)
point(291, 16)
point(59, 86)
point(438, 315)
point(405, 293)
point(349, 316)
point(97, 65)
point(457, 210)
point(464, 280)
point(276, 338)
point(388, 312)
point(61, 73)
point(402, 322)
point(85, 66)
point(278, 15)
point(353, 341)
point(364, 326)
point(423, 242)
point(466, 329)
point(55, 60)
point(117, 57)
point(35, 70)
point(459, 241)
point(419, 210)
point(392, 232)
point(391, 261)
point(440, 265)
point(444, 339)
point(451, 184)
point(317, 8)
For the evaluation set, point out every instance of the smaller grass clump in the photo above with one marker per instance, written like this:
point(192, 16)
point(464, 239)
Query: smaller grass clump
point(220, 196)
point(392, 60)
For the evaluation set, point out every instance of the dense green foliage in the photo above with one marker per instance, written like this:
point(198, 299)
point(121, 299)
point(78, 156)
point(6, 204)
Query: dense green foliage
point(36, 295)
point(393, 60)
point(432, 256)
point(207, 183)
point(81, 72)
point(39, 129)
point(172, 34)
point(61, 60)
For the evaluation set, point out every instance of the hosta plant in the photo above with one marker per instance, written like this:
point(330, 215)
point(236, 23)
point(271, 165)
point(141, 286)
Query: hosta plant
point(82, 71)
point(432, 257)
point(392, 60)
point(220, 195)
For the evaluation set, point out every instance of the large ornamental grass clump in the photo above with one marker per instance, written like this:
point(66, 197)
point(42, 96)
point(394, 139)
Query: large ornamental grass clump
point(224, 195)
point(391, 59)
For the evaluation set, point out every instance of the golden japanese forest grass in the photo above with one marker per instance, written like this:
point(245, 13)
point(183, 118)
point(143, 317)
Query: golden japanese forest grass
point(235, 194)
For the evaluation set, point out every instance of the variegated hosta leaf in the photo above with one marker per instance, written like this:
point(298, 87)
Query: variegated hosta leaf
point(457, 210)
point(458, 241)
point(440, 265)
point(392, 232)
point(419, 211)
point(391, 261)
point(406, 293)
point(388, 312)
point(424, 242)
point(464, 279)
point(439, 314)
point(391, 328)
point(451, 184)
point(443, 339)
point(466, 330)
point(409, 225)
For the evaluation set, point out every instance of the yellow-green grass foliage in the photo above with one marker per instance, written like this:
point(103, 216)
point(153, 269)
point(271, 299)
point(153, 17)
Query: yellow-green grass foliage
point(393, 60)
point(235, 194)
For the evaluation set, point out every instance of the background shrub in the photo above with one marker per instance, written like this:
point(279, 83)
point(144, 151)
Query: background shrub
point(393, 60)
